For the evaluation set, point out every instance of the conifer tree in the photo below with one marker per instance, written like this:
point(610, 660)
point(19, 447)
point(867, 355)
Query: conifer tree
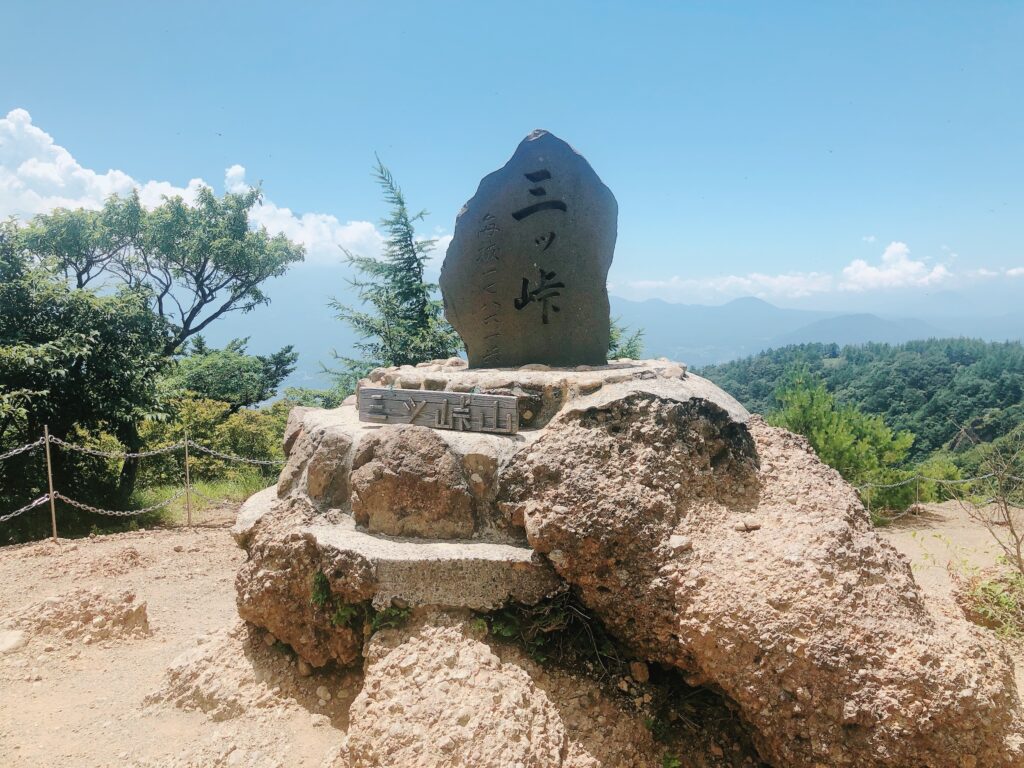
point(402, 323)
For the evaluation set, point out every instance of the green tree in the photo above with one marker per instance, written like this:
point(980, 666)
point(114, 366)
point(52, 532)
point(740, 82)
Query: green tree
point(203, 261)
point(403, 324)
point(83, 244)
point(950, 393)
point(622, 343)
point(192, 264)
point(860, 446)
point(197, 262)
point(82, 362)
point(230, 375)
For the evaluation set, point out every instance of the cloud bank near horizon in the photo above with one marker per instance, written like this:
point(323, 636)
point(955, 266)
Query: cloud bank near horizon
point(38, 175)
point(895, 270)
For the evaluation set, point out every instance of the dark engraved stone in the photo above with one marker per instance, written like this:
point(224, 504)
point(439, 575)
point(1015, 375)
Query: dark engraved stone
point(441, 410)
point(525, 277)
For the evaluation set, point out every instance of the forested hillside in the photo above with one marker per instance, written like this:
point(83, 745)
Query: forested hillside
point(944, 391)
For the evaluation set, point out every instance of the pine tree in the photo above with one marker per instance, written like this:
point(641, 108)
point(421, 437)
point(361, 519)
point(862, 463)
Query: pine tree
point(403, 323)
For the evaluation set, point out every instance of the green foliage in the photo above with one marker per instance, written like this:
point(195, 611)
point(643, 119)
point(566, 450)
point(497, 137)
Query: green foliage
point(320, 592)
point(83, 244)
point(998, 603)
point(939, 467)
point(861, 447)
point(348, 615)
point(253, 434)
point(194, 262)
point(230, 375)
point(363, 616)
point(330, 397)
point(202, 261)
point(669, 760)
point(622, 343)
point(659, 728)
point(947, 392)
point(237, 488)
point(389, 618)
point(88, 362)
point(81, 362)
point(404, 324)
point(558, 630)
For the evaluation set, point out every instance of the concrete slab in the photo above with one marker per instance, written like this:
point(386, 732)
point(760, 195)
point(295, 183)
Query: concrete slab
point(479, 575)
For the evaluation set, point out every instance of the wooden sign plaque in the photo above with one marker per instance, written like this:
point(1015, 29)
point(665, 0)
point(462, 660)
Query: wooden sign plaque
point(440, 410)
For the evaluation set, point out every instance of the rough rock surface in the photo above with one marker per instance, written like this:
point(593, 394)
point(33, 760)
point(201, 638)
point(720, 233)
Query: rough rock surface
point(289, 544)
point(525, 276)
point(236, 671)
point(435, 694)
point(703, 539)
point(275, 586)
point(736, 556)
point(405, 482)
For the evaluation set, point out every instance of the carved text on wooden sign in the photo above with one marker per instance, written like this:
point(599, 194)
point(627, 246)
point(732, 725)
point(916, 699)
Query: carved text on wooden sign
point(440, 410)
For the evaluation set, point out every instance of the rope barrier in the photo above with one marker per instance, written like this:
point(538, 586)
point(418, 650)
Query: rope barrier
point(187, 443)
point(122, 512)
point(187, 491)
point(22, 449)
point(31, 505)
point(922, 478)
point(232, 457)
point(116, 454)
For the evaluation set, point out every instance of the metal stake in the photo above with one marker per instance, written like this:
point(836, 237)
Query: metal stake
point(49, 479)
point(188, 486)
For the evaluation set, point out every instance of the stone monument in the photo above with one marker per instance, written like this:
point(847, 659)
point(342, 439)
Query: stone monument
point(524, 278)
point(701, 538)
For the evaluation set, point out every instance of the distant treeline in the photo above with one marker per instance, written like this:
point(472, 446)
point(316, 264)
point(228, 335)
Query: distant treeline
point(950, 393)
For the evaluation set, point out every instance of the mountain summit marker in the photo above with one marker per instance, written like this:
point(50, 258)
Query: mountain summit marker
point(525, 276)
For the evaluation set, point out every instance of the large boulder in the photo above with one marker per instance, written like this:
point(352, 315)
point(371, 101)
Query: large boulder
point(732, 553)
point(437, 694)
point(703, 539)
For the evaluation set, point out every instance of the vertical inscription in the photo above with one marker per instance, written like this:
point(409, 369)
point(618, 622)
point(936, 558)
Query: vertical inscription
point(487, 257)
point(547, 287)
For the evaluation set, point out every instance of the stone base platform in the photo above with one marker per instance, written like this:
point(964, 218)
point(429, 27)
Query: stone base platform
point(478, 575)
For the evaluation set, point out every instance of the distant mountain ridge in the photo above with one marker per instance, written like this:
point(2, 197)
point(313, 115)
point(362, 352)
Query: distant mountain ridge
point(705, 335)
point(695, 334)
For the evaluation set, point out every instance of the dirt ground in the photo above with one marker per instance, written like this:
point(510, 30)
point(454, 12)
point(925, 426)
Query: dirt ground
point(88, 699)
point(943, 541)
point(85, 682)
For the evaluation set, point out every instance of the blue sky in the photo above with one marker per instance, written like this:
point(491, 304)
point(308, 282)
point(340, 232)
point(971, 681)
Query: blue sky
point(813, 154)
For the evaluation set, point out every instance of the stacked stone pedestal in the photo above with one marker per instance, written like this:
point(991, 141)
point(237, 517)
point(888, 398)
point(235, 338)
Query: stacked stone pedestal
point(703, 539)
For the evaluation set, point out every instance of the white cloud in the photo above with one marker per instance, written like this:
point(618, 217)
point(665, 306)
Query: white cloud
point(323, 234)
point(869, 238)
point(38, 175)
point(792, 285)
point(1015, 272)
point(897, 270)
